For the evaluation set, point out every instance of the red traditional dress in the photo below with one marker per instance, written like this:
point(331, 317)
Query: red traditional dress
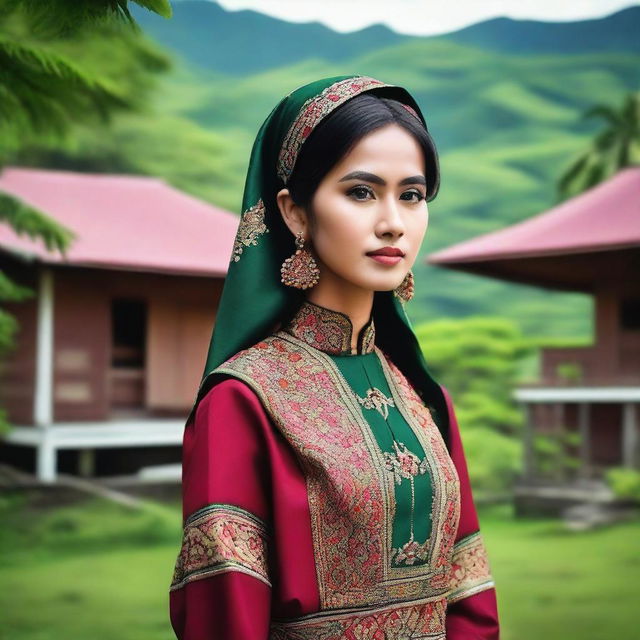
point(321, 502)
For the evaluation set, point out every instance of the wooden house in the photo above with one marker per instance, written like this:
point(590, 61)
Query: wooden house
point(589, 244)
point(111, 348)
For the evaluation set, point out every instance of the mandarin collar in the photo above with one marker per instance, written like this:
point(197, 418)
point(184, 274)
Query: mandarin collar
point(329, 331)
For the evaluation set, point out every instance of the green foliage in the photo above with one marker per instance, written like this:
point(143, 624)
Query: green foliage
point(615, 147)
point(478, 359)
point(45, 92)
point(25, 220)
point(201, 162)
point(494, 459)
point(95, 525)
point(569, 371)
point(501, 153)
point(555, 454)
point(93, 582)
point(624, 482)
point(61, 17)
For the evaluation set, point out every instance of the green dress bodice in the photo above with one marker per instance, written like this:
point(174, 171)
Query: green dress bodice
point(403, 454)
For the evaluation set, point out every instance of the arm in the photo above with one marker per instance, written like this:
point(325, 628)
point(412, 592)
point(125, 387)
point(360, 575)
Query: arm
point(472, 610)
point(221, 586)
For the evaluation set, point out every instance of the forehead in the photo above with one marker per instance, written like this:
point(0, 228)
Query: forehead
point(391, 149)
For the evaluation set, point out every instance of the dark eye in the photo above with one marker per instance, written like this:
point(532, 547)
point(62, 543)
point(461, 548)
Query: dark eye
point(413, 192)
point(360, 192)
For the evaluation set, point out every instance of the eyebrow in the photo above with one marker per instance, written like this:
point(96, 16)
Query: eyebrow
point(372, 177)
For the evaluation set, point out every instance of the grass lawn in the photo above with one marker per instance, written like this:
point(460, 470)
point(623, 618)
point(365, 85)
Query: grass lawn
point(98, 571)
point(554, 584)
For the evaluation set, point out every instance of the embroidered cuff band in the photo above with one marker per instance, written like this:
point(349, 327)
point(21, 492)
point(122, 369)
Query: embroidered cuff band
point(220, 538)
point(470, 571)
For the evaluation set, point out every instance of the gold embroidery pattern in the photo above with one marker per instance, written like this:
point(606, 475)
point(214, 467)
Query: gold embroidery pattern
point(368, 338)
point(312, 111)
point(348, 495)
point(445, 511)
point(470, 571)
point(251, 227)
point(351, 495)
point(220, 538)
point(418, 620)
point(328, 330)
point(406, 465)
point(375, 399)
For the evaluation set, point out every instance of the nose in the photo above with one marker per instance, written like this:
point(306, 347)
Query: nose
point(390, 220)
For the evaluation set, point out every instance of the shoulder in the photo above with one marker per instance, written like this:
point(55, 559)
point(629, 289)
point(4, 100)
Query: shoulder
point(255, 356)
point(229, 394)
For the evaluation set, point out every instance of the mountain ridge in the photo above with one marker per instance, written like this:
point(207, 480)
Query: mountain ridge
point(245, 42)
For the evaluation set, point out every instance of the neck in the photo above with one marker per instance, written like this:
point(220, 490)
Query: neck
point(354, 302)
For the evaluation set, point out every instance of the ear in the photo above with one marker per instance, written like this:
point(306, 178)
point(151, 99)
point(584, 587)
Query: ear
point(294, 216)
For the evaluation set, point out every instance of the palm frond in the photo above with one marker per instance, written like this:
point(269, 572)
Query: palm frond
point(62, 17)
point(12, 292)
point(603, 111)
point(26, 220)
point(161, 7)
point(616, 146)
point(8, 329)
point(43, 92)
point(563, 188)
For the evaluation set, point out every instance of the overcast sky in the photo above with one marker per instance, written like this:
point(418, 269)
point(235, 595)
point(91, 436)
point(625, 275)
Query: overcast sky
point(426, 17)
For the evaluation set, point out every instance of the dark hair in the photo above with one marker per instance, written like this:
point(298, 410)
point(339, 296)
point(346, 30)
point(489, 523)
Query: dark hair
point(338, 132)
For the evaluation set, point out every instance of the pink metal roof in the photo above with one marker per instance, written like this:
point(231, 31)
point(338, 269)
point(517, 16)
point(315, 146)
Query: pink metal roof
point(603, 218)
point(123, 222)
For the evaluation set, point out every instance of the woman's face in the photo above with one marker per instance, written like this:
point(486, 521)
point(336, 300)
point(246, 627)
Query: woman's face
point(374, 198)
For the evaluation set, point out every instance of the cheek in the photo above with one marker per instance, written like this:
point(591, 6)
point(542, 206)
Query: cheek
point(340, 226)
point(419, 226)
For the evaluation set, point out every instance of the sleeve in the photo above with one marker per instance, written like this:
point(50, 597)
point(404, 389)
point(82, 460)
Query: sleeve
point(221, 586)
point(472, 610)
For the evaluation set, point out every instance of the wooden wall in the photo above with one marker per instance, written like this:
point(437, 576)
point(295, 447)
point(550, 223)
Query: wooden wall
point(17, 377)
point(180, 316)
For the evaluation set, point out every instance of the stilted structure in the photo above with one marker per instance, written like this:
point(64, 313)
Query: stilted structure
point(589, 244)
point(110, 350)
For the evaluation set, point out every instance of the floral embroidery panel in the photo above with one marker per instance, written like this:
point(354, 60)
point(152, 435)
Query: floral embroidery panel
point(425, 620)
point(470, 572)
point(351, 498)
point(312, 111)
point(220, 538)
point(251, 227)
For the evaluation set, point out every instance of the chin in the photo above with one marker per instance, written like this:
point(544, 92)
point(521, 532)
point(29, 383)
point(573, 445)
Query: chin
point(386, 286)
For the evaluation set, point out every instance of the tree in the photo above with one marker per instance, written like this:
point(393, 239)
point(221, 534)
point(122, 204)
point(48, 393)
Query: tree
point(44, 92)
point(479, 359)
point(615, 147)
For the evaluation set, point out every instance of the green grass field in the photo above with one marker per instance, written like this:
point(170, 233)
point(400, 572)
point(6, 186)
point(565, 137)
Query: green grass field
point(95, 570)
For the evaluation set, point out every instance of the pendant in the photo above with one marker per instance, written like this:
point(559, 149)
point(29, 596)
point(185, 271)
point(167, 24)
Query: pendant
point(409, 552)
point(406, 465)
point(375, 399)
point(403, 463)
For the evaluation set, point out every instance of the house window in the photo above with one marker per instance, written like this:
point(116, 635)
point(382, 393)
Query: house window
point(129, 321)
point(630, 314)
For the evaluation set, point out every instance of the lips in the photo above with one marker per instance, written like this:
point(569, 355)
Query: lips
point(386, 251)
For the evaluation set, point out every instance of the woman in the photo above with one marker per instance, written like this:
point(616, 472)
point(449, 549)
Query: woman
point(325, 489)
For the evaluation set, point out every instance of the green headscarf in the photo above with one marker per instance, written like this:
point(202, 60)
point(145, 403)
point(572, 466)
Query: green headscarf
point(254, 301)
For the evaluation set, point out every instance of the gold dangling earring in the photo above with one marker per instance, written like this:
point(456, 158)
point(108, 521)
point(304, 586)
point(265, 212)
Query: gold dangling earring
point(300, 270)
point(404, 290)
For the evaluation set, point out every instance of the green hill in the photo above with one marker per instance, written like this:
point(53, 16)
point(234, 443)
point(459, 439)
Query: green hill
point(617, 32)
point(243, 42)
point(506, 126)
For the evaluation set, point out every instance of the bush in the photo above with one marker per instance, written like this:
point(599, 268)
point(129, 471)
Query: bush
point(494, 460)
point(624, 482)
